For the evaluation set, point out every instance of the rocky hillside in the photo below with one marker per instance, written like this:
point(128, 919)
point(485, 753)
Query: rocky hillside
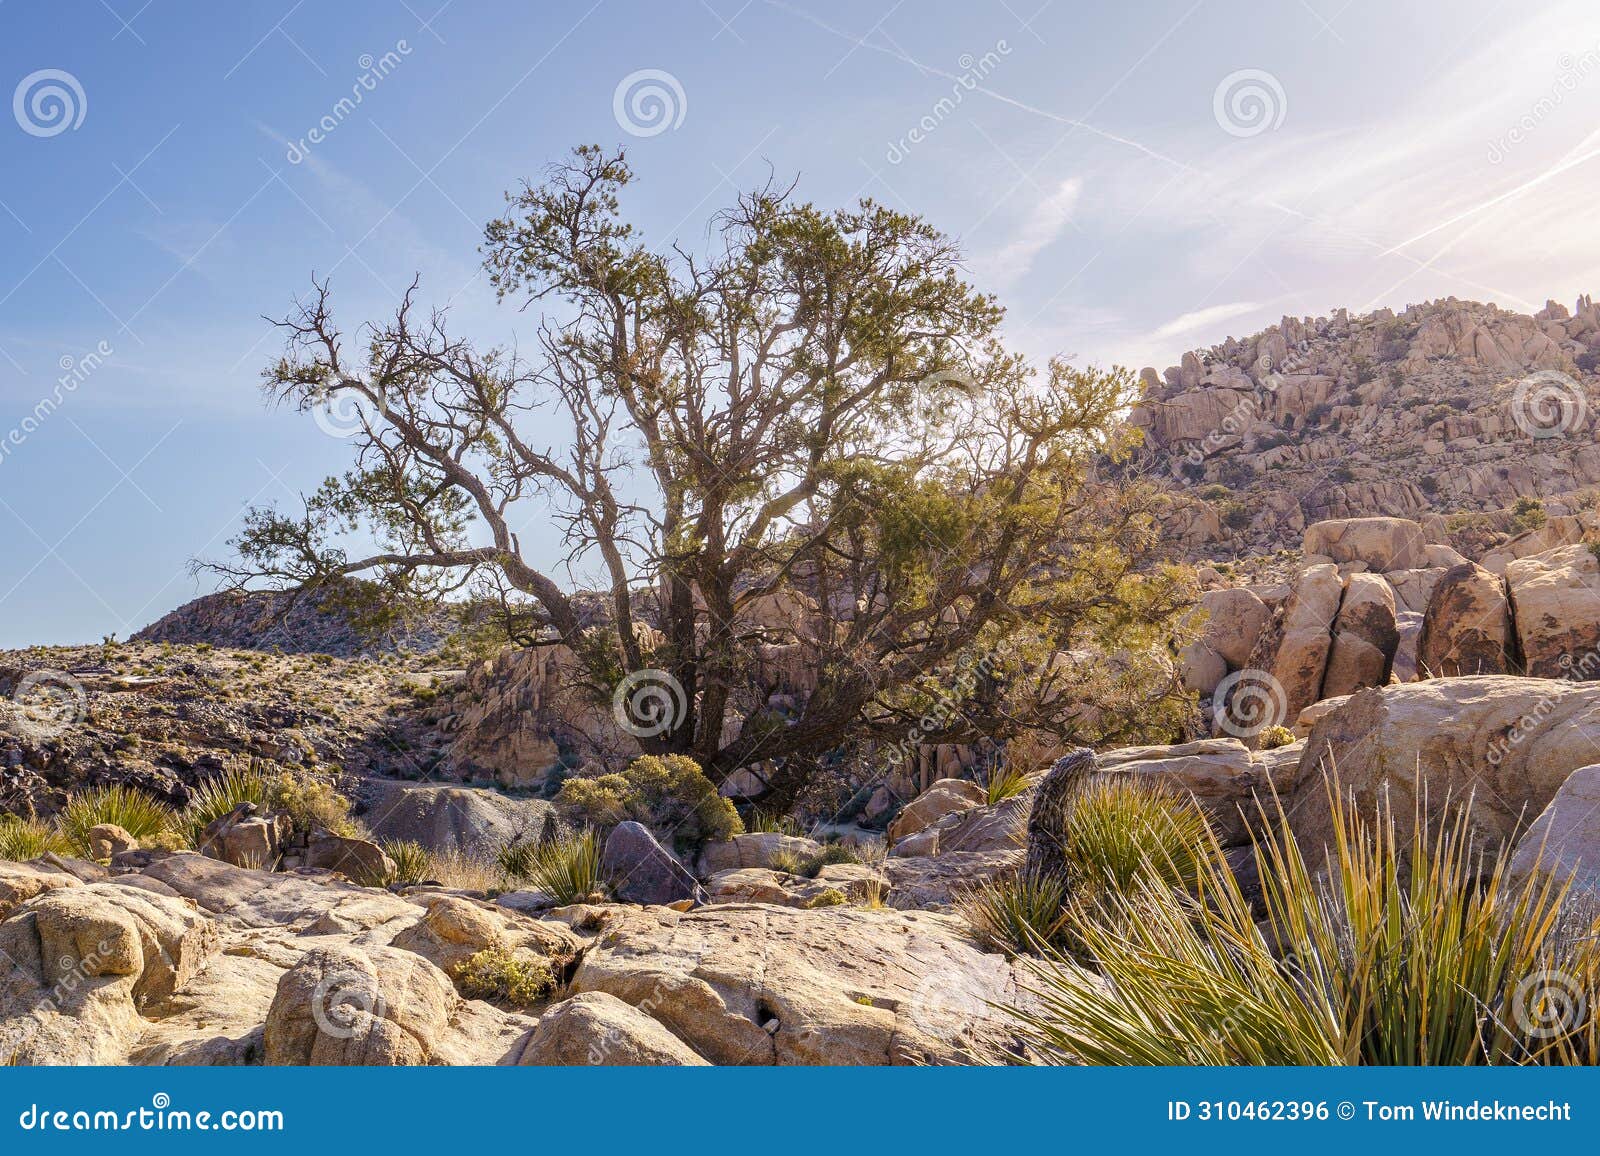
point(318, 622)
point(1448, 408)
point(164, 717)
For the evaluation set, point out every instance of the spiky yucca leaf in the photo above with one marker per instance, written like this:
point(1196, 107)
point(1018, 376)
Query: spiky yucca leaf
point(128, 807)
point(1414, 950)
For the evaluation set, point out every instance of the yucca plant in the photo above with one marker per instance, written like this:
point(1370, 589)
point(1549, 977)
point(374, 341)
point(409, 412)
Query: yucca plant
point(22, 839)
point(566, 869)
point(218, 796)
point(1120, 831)
point(412, 862)
point(1405, 950)
point(139, 814)
point(1017, 914)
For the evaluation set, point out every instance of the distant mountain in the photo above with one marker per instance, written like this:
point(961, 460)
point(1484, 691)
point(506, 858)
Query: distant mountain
point(1449, 407)
point(318, 622)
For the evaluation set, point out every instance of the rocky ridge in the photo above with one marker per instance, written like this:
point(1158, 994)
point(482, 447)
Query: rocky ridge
point(1448, 407)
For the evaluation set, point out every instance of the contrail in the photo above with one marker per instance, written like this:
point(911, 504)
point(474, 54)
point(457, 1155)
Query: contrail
point(861, 42)
point(1548, 174)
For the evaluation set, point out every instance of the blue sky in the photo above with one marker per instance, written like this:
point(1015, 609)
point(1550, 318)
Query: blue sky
point(1133, 180)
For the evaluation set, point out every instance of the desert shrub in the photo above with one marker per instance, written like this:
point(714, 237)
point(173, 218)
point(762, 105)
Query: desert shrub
point(1276, 736)
point(566, 869)
point(22, 839)
point(412, 863)
point(1236, 515)
point(1528, 513)
point(811, 865)
point(1428, 484)
point(311, 802)
point(1018, 914)
point(218, 796)
point(832, 897)
point(669, 794)
point(1588, 361)
point(129, 808)
point(496, 974)
point(1412, 950)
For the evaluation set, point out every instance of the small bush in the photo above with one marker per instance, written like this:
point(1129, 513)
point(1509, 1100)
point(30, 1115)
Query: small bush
point(412, 863)
point(669, 794)
point(566, 869)
point(1528, 513)
point(1276, 736)
point(496, 974)
point(832, 897)
point(311, 803)
point(129, 808)
point(23, 839)
point(827, 856)
point(1017, 915)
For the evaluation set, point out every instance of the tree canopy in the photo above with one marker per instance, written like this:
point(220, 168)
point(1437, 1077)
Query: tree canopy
point(806, 448)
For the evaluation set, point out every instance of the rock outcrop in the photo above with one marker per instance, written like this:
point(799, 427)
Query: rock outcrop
point(753, 984)
point(1500, 746)
point(1555, 603)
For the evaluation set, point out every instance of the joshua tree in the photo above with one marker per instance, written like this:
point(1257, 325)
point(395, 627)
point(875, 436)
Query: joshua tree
point(817, 416)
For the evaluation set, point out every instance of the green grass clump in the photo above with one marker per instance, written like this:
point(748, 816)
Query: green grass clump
point(1118, 834)
point(832, 897)
point(787, 862)
point(566, 869)
point(412, 862)
point(496, 974)
point(129, 808)
point(1004, 781)
point(23, 839)
point(1408, 949)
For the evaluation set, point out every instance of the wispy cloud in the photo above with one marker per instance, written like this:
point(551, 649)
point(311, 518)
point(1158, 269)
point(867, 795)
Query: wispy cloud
point(1201, 319)
point(1043, 226)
